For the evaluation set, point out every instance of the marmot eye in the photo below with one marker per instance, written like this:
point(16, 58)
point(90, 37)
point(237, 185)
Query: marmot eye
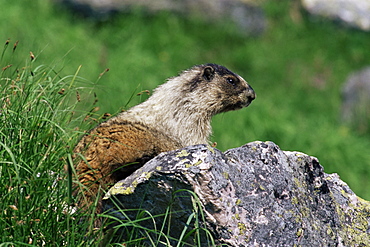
point(231, 80)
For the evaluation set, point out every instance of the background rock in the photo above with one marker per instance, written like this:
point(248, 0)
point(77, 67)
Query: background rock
point(353, 12)
point(255, 195)
point(249, 18)
point(356, 100)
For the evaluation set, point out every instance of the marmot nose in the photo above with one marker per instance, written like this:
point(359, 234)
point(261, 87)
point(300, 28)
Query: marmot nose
point(251, 95)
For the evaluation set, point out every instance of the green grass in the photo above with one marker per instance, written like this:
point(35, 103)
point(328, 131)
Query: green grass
point(39, 109)
point(139, 227)
point(297, 69)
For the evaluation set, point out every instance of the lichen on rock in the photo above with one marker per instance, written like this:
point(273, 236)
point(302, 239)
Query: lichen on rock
point(254, 195)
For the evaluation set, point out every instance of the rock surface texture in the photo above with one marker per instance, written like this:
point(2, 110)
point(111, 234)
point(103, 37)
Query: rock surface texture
point(254, 195)
point(353, 12)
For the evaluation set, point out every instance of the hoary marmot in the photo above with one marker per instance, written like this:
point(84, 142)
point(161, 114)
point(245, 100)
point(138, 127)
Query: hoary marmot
point(178, 114)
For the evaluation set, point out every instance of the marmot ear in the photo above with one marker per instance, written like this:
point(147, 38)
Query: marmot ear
point(208, 73)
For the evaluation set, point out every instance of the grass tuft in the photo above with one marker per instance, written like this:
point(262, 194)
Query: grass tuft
point(38, 110)
point(139, 227)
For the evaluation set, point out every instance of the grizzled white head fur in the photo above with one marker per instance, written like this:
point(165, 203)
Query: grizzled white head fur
point(183, 106)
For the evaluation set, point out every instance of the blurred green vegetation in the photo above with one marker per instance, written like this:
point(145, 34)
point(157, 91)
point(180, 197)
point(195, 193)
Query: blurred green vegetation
point(297, 68)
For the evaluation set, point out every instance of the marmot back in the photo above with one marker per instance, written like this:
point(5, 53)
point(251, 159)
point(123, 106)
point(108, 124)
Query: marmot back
point(178, 114)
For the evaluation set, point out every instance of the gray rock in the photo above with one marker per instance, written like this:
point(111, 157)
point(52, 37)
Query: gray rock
point(254, 195)
point(249, 18)
point(353, 12)
point(356, 100)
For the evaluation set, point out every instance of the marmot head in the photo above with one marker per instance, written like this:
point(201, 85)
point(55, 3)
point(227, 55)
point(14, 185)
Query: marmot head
point(183, 106)
point(216, 88)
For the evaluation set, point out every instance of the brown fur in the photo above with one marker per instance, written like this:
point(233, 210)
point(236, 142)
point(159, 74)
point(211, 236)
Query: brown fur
point(114, 151)
point(178, 114)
